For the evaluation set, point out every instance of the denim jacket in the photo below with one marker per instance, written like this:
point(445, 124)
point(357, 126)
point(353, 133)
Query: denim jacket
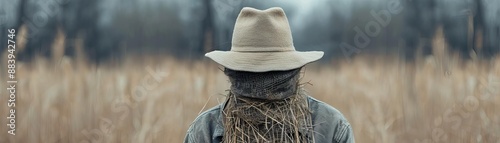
point(329, 125)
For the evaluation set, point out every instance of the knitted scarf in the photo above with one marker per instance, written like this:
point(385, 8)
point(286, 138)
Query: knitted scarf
point(274, 85)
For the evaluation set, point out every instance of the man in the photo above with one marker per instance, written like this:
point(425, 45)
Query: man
point(266, 103)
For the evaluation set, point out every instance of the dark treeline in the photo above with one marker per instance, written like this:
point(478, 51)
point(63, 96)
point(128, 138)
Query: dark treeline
point(189, 28)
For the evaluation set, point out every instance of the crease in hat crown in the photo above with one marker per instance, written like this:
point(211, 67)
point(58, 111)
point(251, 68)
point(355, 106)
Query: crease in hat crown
point(262, 31)
point(262, 41)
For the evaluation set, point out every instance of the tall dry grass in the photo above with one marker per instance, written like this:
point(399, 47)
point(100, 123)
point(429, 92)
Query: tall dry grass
point(154, 99)
point(385, 100)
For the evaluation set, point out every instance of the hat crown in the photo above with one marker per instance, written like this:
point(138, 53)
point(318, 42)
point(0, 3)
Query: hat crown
point(262, 42)
point(262, 31)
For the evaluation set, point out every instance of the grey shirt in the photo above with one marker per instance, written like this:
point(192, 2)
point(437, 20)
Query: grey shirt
point(329, 125)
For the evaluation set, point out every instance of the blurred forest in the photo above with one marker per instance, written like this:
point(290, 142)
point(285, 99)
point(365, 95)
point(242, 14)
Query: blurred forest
point(187, 29)
point(416, 71)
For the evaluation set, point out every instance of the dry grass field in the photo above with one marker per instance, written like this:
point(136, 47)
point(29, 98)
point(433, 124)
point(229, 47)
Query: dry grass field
point(155, 100)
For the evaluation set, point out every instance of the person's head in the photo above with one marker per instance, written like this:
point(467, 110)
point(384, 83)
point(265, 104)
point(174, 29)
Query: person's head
point(265, 101)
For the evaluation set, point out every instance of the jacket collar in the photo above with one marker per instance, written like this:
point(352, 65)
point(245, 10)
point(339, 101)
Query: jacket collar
point(219, 127)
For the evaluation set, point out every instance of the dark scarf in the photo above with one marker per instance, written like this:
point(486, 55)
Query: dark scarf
point(274, 85)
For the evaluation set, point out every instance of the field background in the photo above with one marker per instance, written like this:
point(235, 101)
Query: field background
point(384, 101)
point(154, 99)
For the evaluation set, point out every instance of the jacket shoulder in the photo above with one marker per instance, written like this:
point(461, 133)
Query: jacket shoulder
point(329, 123)
point(211, 114)
point(205, 127)
point(323, 110)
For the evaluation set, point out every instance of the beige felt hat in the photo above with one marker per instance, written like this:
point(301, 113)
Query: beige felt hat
point(262, 41)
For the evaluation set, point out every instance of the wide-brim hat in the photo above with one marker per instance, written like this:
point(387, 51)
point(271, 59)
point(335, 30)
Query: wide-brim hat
point(262, 41)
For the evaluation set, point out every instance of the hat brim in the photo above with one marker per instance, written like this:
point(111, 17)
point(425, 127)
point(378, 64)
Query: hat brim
point(264, 61)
